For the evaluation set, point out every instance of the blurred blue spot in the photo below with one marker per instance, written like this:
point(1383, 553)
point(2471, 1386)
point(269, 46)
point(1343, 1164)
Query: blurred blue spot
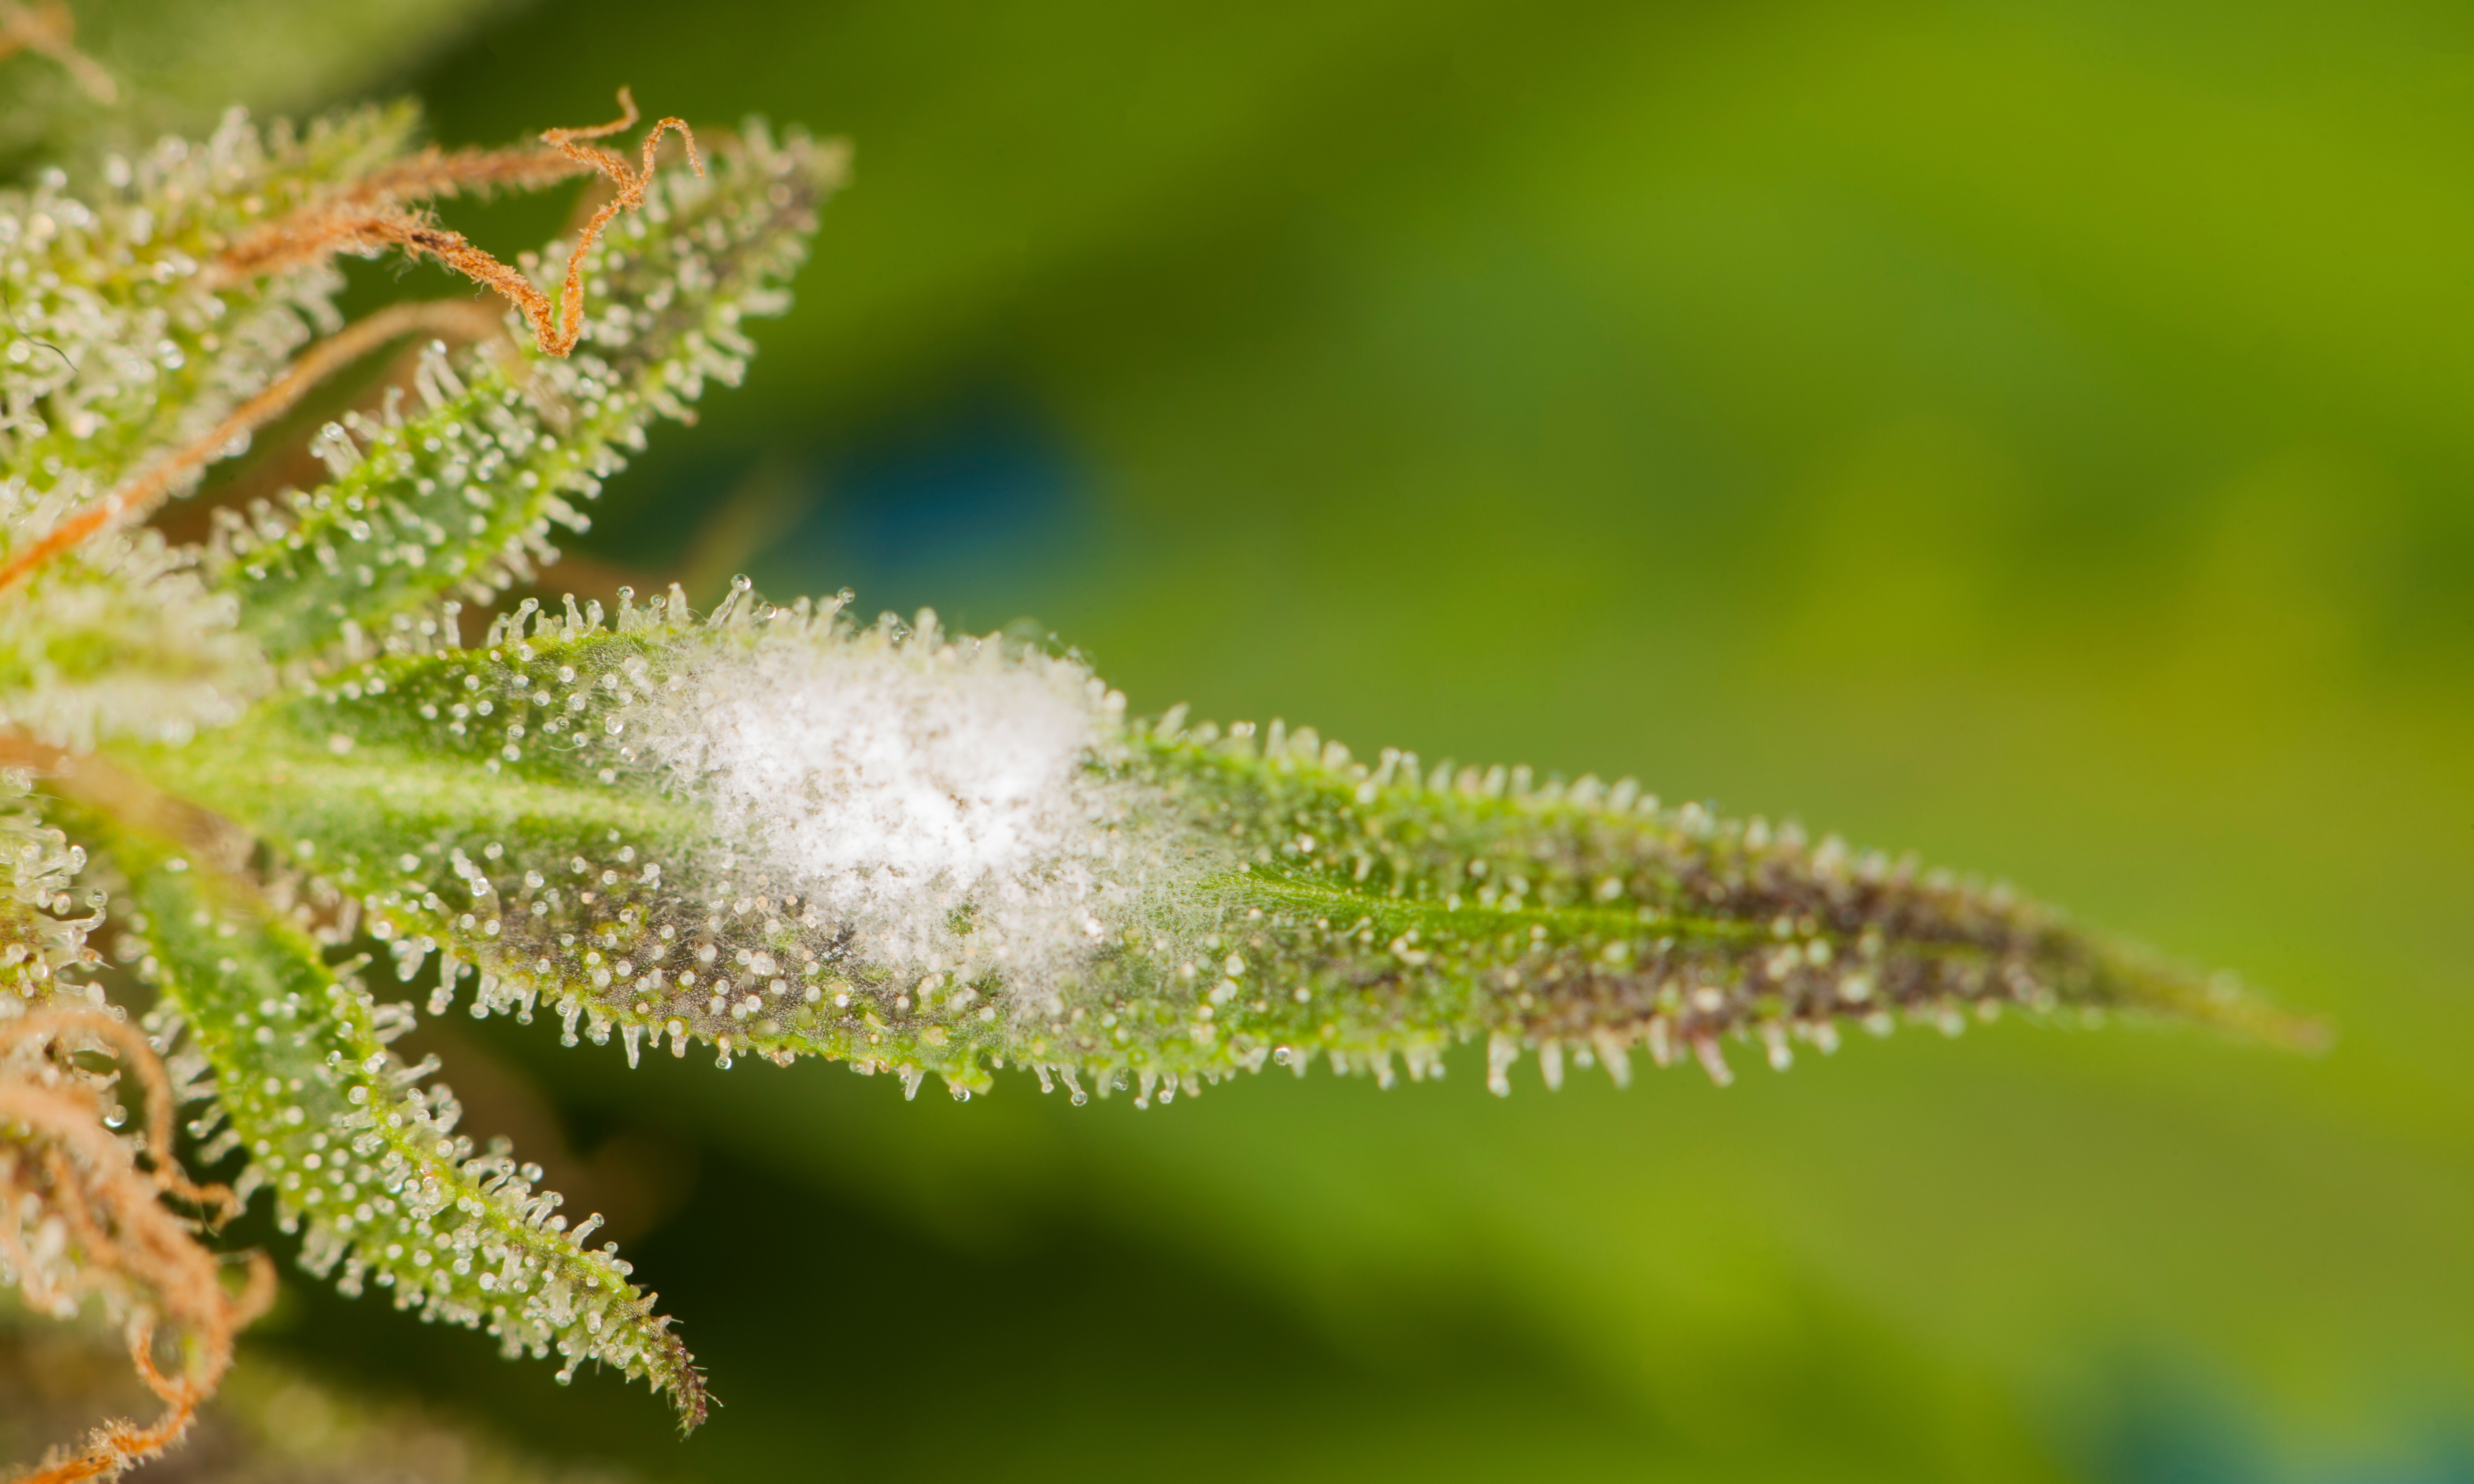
point(964, 510)
point(2167, 1439)
point(2167, 1427)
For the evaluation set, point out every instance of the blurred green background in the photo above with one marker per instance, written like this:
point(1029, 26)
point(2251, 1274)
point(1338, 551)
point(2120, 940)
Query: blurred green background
point(2036, 434)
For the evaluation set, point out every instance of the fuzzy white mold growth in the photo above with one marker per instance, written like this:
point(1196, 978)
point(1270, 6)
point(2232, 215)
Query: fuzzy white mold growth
point(937, 798)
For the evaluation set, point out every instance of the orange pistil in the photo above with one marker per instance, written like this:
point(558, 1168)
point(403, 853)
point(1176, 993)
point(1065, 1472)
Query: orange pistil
point(129, 1243)
point(366, 216)
point(370, 217)
point(47, 29)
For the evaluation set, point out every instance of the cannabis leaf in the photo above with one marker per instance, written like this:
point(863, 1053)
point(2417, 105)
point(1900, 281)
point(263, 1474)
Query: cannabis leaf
point(769, 830)
point(782, 835)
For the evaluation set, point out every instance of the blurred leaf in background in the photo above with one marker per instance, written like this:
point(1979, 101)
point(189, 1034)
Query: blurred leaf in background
point(270, 1425)
point(2032, 433)
point(154, 66)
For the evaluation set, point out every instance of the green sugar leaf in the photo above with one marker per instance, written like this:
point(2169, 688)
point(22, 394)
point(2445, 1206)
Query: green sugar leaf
point(41, 943)
point(123, 341)
point(361, 1150)
point(462, 493)
point(780, 835)
point(1383, 910)
point(119, 639)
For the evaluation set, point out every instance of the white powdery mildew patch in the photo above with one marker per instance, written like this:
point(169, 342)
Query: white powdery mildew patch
point(937, 798)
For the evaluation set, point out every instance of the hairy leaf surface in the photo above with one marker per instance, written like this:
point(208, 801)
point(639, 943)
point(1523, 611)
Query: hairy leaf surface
point(463, 495)
point(768, 830)
point(362, 1150)
point(122, 343)
point(1261, 899)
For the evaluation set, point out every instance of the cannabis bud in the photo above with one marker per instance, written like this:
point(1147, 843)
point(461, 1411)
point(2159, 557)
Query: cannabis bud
point(337, 728)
